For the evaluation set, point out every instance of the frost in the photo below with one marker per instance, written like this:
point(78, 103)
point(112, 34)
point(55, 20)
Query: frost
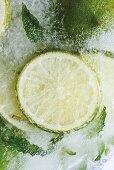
point(15, 51)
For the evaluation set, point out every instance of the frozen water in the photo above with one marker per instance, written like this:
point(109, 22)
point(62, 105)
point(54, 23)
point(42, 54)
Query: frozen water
point(15, 51)
point(49, 162)
point(103, 41)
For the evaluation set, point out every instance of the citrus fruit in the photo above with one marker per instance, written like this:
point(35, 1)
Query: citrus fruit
point(4, 15)
point(58, 91)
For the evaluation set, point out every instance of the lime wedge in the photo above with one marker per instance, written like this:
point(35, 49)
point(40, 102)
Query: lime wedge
point(58, 92)
point(4, 15)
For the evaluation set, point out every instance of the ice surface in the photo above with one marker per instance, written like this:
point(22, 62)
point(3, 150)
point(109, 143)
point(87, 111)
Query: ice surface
point(49, 162)
point(15, 51)
point(103, 41)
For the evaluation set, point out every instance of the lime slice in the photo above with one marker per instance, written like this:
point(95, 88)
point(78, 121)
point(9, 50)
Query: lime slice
point(9, 106)
point(103, 64)
point(4, 15)
point(58, 92)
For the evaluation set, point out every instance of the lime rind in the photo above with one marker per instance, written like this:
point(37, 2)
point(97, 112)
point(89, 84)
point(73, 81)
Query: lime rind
point(6, 17)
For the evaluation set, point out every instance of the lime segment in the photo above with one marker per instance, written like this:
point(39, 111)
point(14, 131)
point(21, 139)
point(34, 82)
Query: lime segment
point(58, 91)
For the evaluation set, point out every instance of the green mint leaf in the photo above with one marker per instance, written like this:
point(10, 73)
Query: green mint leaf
point(68, 151)
point(101, 151)
point(7, 155)
point(100, 121)
point(107, 150)
point(96, 126)
point(14, 138)
point(53, 142)
point(56, 139)
point(112, 140)
point(33, 29)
